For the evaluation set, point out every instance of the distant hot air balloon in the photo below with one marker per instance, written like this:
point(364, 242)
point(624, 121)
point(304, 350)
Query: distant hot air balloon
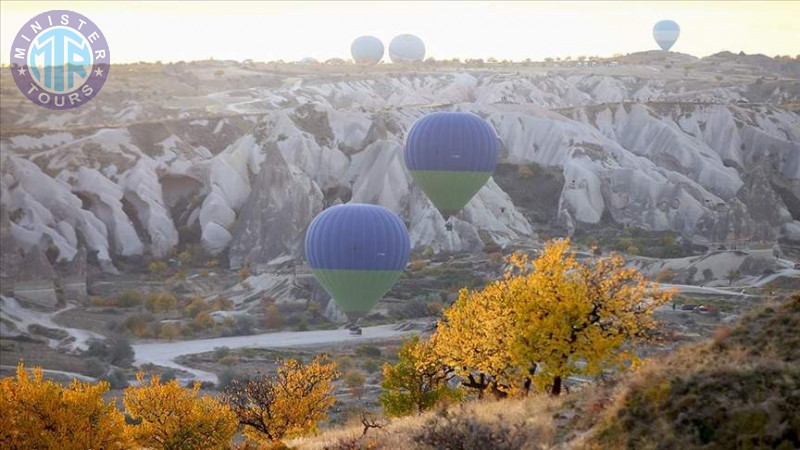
point(357, 252)
point(406, 48)
point(451, 155)
point(367, 50)
point(666, 32)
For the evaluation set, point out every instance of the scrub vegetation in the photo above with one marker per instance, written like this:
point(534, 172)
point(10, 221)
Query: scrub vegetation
point(498, 371)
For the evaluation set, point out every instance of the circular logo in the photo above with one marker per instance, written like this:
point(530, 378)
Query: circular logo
point(60, 59)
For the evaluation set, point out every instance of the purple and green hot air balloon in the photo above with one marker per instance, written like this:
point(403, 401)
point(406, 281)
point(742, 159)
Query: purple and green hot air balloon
point(357, 252)
point(451, 155)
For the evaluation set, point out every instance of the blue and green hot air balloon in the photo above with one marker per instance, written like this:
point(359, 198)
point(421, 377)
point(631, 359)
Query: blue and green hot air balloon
point(357, 252)
point(451, 155)
point(666, 32)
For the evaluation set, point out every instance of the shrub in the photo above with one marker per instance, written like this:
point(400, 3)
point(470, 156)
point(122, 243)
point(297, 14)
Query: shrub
point(220, 352)
point(354, 380)
point(116, 379)
point(94, 367)
point(370, 366)
point(161, 301)
point(666, 276)
point(169, 375)
point(138, 324)
point(195, 307)
point(170, 331)
point(417, 382)
point(43, 414)
point(244, 324)
point(244, 272)
point(129, 299)
point(462, 429)
point(116, 350)
point(496, 257)
point(274, 319)
point(97, 301)
point(171, 417)
point(229, 360)
point(159, 268)
point(344, 363)
point(204, 321)
point(369, 351)
point(288, 404)
point(227, 376)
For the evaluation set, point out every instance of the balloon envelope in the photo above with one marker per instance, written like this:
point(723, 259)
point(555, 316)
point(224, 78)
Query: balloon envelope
point(406, 48)
point(666, 32)
point(367, 50)
point(357, 252)
point(451, 155)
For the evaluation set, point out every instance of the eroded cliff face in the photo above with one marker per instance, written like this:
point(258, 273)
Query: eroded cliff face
point(248, 176)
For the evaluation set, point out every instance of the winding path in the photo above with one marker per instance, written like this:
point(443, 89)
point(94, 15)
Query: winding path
point(165, 353)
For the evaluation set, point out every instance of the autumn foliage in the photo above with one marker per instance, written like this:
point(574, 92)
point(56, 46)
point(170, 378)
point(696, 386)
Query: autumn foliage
point(35, 413)
point(288, 404)
point(417, 382)
point(172, 417)
point(547, 319)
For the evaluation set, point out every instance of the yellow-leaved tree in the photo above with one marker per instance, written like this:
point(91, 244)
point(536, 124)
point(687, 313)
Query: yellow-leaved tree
point(574, 317)
point(35, 413)
point(173, 417)
point(417, 381)
point(287, 404)
point(475, 339)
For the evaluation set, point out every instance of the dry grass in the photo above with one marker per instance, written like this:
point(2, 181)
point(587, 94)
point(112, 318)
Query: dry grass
point(739, 390)
point(528, 422)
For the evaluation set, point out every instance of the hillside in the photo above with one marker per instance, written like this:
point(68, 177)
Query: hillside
point(737, 390)
point(205, 152)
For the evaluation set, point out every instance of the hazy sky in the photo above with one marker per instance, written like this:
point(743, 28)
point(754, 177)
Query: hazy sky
point(191, 30)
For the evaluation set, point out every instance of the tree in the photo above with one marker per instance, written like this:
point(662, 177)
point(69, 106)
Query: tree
point(274, 319)
point(129, 299)
point(160, 301)
point(568, 312)
point(354, 381)
point(287, 404)
point(43, 414)
point(157, 268)
point(185, 258)
point(733, 275)
point(174, 417)
point(194, 307)
point(666, 275)
point(116, 350)
point(417, 382)
point(170, 331)
point(475, 339)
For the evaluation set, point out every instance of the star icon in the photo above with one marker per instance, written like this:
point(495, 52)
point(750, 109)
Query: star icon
point(98, 72)
point(21, 70)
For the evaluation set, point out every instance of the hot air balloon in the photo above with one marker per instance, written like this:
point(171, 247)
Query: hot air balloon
point(367, 50)
point(406, 48)
point(666, 32)
point(357, 252)
point(451, 155)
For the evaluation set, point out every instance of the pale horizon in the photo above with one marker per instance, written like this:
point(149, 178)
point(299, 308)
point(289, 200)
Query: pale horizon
point(151, 31)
